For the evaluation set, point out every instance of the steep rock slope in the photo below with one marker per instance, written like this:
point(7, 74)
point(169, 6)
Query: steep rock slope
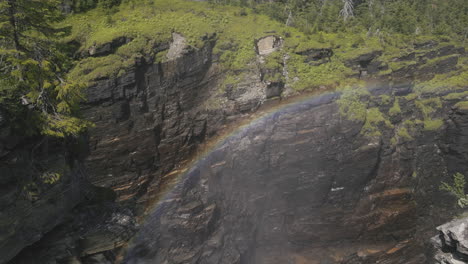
point(152, 114)
point(41, 181)
point(305, 185)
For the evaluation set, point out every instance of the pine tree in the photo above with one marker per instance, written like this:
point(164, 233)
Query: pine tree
point(32, 67)
point(348, 9)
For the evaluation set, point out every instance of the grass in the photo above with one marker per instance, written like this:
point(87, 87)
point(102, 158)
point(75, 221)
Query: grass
point(456, 96)
point(231, 80)
point(395, 109)
point(451, 81)
point(428, 106)
point(411, 96)
point(432, 124)
point(373, 118)
point(462, 105)
point(351, 104)
point(398, 65)
point(332, 74)
point(437, 60)
point(150, 23)
point(385, 99)
point(91, 69)
point(403, 133)
point(273, 61)
point(145, 24)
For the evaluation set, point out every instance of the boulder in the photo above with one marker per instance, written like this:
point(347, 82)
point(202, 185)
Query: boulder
point(177, 47)
point(269, 44)
point(452, 242)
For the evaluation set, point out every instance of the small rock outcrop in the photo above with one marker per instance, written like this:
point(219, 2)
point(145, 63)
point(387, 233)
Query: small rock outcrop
point(452, 242)
point(269, 44)
point(177, 47)
point(106, 48)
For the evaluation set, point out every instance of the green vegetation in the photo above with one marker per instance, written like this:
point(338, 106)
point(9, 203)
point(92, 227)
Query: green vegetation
point(148, 23)
point(462, 105)
point(403, 133)
point(36, 47)
point(34, 92)
point(232, 80)
point(51, 177)
point(456, 96)
point(428, 106)
point(457, 189)
point(273, 67)
point(385, 99)
point(399, 16)
point(395, 66)
point(97, 68)
point(331, 74)
point(83, 5)
point(411, 96)
point(432, 124)
point(353, 106)
point(395, 110)
point(373, 118)
point(450, 81)
point(351, 103)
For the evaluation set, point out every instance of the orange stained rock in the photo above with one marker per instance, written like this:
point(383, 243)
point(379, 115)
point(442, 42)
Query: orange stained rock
point(299, 259)
point(391, 192)
point(397, 247)
point(218, 164)
point(306, 131)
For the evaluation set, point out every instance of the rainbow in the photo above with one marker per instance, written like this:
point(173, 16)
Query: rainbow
point(238, 130)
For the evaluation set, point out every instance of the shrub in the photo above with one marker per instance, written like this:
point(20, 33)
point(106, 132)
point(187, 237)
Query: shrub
point(457, 189)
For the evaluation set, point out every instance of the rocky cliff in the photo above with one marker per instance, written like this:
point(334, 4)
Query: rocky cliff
point(41, 180)
point(351, 177)
point(304, 185)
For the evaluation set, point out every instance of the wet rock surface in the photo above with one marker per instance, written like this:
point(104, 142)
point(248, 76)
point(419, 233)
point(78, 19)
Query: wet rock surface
point(151, 120)
point(40, 183)
point(305, 186)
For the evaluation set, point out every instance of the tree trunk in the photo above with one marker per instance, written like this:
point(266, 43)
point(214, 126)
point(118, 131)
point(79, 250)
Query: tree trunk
point(12, 12)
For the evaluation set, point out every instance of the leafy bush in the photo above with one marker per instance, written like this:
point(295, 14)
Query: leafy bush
point(457, 189)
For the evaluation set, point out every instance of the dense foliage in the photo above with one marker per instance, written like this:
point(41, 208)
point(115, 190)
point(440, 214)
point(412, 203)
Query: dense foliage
point(40, 85)
point(457, 189)
point(439, 17)
point(34, 94)
point(84, 5)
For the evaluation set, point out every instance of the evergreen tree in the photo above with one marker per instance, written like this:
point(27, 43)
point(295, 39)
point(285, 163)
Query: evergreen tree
point(427, 17)
point(32, 68)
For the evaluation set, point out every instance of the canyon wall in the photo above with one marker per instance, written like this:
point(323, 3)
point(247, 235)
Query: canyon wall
point(305, 185)
point(151, 119)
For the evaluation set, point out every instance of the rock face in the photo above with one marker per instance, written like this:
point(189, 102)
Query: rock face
point(177, 47)
point(147, 122)
point(150, 120)
point(452, 242)
point(40, 182)
point(304, 185)
point(285, 190)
